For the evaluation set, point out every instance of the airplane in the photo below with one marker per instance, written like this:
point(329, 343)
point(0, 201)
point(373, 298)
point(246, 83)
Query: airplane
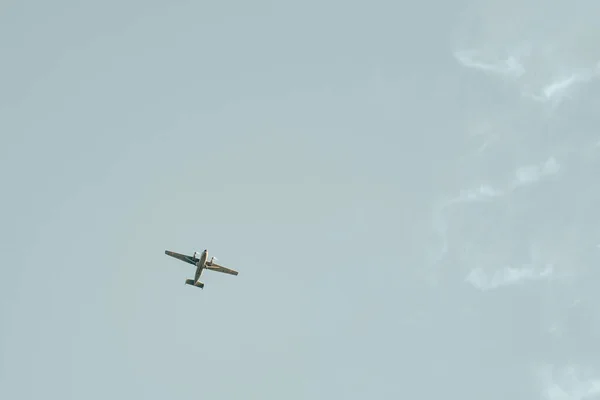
point(201, 264)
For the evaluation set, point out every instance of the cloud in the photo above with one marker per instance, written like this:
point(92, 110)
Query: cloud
point(524, 176)
point(483, 192)
point(550, 80)
point(568, 383)
point(530, 174)
point(507, 276)
point(509, 67)
point(560, 87)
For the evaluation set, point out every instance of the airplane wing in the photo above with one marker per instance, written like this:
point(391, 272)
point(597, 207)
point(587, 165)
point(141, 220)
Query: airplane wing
point(182, 257)
point(220, 268)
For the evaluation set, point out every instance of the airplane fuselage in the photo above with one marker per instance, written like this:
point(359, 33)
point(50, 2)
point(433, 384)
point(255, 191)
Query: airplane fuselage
point(200, 265)
point(202, 261)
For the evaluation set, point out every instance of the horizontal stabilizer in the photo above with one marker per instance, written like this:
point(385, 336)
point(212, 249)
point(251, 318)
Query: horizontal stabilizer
point(197, 284)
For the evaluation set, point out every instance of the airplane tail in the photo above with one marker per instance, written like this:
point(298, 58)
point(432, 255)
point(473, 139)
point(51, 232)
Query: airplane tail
point(192, 283)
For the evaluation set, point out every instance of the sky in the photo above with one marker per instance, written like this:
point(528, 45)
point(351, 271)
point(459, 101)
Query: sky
point(407, 192)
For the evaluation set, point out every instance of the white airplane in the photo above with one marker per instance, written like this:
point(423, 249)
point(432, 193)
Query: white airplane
point(201, 264)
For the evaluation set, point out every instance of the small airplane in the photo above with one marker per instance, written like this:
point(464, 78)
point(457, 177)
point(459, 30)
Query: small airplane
point(201, 264)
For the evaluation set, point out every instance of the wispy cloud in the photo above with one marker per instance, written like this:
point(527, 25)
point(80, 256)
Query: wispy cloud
point(531, 174)
point(549, 82)
point(508, 67)
point(481, 193)
point(568, 383)
point(562, 86)
point(484, 281)
point(523, 176)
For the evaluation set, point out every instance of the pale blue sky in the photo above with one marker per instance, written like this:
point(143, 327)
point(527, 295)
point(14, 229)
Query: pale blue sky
point(312, 146)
